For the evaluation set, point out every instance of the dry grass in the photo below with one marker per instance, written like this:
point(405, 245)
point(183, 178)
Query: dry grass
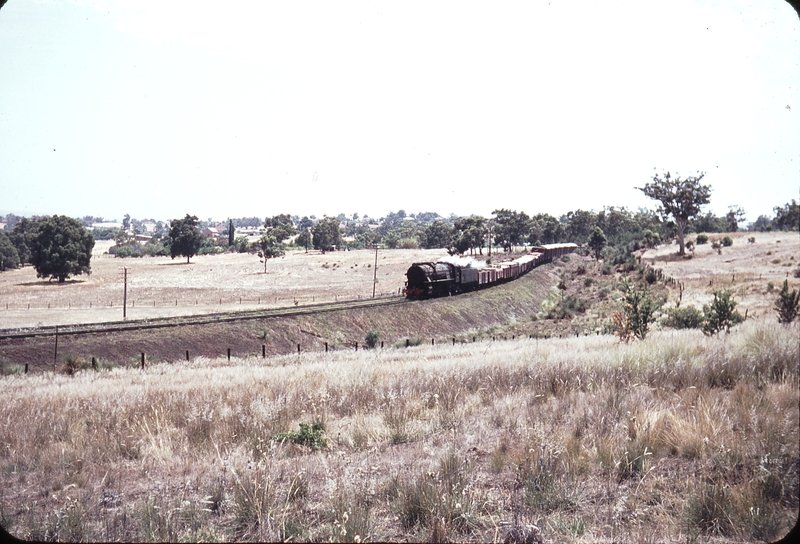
point(678, 437)
point(160, 286)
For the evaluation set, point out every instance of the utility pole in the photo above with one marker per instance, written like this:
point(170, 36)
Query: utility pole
point(125, 294)
point(375, 272)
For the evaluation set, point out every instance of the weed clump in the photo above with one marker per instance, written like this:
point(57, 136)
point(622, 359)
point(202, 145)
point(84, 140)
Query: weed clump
point(310, 436)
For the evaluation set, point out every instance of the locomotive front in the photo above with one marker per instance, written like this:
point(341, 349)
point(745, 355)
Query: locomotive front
point(429, 280)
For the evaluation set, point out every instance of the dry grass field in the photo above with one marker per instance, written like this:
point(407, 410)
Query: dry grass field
point(680, 437)
point(160, 286)
point(677, 438)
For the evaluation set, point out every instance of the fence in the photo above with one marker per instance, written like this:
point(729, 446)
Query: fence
point(225, 301)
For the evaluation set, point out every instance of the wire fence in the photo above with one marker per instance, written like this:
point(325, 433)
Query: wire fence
point(205, 302)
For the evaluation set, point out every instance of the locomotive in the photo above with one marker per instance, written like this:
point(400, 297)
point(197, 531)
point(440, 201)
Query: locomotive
point(442, 278)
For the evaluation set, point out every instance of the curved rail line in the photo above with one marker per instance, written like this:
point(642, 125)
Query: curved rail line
point(196, 319)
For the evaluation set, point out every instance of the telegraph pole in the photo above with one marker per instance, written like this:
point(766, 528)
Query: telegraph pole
point(375, 272)
point(125, 294)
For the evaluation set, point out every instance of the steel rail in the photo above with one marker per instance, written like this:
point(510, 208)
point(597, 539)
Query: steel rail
point(194, 319)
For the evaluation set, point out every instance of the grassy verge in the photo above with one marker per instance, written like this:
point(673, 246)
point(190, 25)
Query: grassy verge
point(681, 436)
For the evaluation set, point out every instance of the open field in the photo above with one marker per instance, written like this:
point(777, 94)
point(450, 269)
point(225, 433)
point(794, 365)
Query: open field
point(161, 287)
point(746, 269)
point(677, 438)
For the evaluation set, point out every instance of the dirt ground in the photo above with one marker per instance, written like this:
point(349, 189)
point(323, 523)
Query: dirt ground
point(753, 271)
point(160, 286)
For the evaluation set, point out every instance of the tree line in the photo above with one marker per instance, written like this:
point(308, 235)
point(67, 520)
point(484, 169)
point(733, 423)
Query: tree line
point(59, 246)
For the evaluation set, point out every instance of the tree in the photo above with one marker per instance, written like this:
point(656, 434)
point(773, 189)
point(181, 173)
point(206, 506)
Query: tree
point(511, 228)
point(721, 313)
point(21, 238)
point(679, 198)
point(326, 235)
point(638, 309)
point(787, 304)
point(304, 239)
point(469, 233)
point(9, 258)
point(437, 234)
point(734, 216)
point(269, 248)
point(185, 237)
point(281, 226)
point(231, 233)
point(787, 217)
point(597, 241)
point(61, 247)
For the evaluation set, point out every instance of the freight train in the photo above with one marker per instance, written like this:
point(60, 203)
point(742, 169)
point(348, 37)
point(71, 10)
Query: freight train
point(426, 280)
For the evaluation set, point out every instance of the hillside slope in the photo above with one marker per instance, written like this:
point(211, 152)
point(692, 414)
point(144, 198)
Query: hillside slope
point(461, 316)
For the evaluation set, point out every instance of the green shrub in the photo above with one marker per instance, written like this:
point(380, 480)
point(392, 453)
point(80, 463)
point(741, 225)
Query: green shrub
point(687, 317)
point(372, 338)
point(580, 270)
point(638, 310)
point(7, 369)
point(309, 435)
point(727, 241)
point(607, 270)
point(588, 282)
point(701, 239)
point(721, 313)
point(787, 304)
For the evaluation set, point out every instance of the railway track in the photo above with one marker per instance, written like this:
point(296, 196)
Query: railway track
point(196, 319)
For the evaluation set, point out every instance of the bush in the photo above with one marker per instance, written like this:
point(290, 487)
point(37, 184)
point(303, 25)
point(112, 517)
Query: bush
point(701, 239)
point(567, 308)
point(606, 270)
point(309, 435)
point(751, 240)
point(687, 317)
point(588, 282)
point(580, 270)
point(721, 313)
point(787, 304)
point(727, 241)
point(372, 338)
point(637, 312)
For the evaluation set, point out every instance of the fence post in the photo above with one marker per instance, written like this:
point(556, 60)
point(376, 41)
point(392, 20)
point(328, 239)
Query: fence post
point(408, 342)
point(229, 354)
point(381, 344)
point(454, 340)
point(298, 349)
point(142, 360)
point(94, 363)
point(473, 339)
point(326, 347)
point(432, 341)
point(26, 368)
point(187, 354)
point(263, 351)
point(356, 346)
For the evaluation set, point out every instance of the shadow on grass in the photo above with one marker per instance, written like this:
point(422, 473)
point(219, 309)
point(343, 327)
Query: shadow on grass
point(49, 283)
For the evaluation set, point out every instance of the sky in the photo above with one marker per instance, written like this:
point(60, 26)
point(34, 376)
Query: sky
point(248, 108)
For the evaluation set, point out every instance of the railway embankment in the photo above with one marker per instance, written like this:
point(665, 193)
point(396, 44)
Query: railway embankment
point(462, 317)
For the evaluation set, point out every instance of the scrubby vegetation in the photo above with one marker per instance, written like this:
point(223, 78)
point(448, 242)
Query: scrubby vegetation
point(678, 436)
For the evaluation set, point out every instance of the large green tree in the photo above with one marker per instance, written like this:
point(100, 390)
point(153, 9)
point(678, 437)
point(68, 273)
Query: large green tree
point(185, 237)
point(681, 199)
point(325, 234)
point(21, 238)
point(511, 228)
point(281, 226)
point(61, 247)
point(9, 257)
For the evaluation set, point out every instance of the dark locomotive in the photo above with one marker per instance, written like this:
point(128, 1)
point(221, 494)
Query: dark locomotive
point(426, 280)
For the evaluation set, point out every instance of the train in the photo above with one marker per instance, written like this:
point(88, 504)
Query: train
point(445, 278)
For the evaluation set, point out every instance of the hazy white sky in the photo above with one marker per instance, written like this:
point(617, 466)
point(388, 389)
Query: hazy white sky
point(240, 108)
